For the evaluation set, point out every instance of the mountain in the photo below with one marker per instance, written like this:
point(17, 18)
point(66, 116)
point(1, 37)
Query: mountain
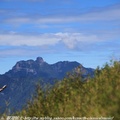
point(22, 78)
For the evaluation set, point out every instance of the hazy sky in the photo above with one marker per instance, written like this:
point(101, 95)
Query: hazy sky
point(87, 31)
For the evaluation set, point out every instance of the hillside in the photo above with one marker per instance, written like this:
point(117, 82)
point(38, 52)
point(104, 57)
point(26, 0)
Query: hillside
point(98, 98)
point(22, 78)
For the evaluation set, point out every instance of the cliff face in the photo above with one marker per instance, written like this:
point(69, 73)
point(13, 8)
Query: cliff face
point(22, 78)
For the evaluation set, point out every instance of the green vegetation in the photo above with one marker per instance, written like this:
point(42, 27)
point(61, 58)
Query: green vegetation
point(98, 96)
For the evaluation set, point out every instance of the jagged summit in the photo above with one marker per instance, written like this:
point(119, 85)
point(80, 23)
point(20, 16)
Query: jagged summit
point(28, 64)
point(39, 60)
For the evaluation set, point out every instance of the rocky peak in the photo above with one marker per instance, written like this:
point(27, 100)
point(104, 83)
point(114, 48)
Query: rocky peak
point(39, 60)
point(29, 64)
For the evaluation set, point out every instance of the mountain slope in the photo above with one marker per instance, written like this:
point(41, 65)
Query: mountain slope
point(22, 78)
point(98, 98)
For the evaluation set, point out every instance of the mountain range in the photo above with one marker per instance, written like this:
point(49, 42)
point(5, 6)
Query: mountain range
point(21, 80)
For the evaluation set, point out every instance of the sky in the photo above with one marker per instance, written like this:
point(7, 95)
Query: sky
point(86, 31)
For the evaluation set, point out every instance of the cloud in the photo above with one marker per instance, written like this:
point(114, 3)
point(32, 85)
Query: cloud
point(100, 14)
point(79, 40)
point(69, 39)
point(72, 40)
point(29, 40)
point(51, 41)
point(57, 43)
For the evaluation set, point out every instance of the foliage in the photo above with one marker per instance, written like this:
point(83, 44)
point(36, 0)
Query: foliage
point(98, 96)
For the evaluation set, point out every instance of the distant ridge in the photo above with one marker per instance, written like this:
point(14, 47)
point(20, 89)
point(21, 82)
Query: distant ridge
point(22, 78)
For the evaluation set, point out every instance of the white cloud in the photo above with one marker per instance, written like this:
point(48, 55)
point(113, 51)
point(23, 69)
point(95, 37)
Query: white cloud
point(69, 39)
point(29, 40)
point(101, 14)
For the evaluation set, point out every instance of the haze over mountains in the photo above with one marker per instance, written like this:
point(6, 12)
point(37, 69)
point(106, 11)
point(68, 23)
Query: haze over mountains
point(23, 77)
